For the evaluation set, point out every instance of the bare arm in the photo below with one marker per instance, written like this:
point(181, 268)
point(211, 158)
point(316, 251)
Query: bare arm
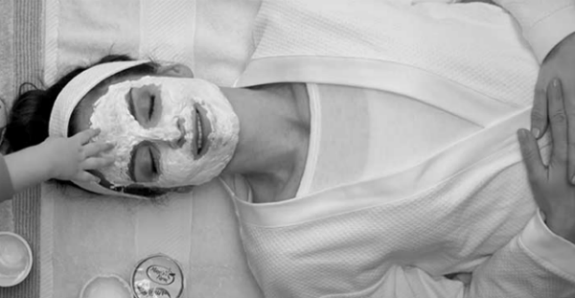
point(55, 158)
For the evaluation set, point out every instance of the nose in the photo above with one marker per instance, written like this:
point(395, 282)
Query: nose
point(179, 142)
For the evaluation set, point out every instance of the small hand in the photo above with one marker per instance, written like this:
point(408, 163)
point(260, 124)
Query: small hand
point(70, 158)
point(560, 63)
point(550, 186)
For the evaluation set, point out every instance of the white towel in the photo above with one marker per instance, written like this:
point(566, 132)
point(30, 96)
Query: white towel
point(83, 235)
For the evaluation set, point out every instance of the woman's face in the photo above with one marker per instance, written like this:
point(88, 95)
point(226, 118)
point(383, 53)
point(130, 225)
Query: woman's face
point(168, 131)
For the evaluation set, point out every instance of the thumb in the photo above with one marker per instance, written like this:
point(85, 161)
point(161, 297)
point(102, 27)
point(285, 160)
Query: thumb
point(86, 177)
point(531, 155)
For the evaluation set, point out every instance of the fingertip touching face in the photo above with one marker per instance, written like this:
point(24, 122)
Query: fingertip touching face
point(169, 130)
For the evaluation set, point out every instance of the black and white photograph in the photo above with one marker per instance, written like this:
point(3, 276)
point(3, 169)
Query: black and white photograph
point(287, 148)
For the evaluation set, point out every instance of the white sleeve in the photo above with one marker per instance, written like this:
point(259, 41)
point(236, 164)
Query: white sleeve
point(544, 23)
point(536, 263)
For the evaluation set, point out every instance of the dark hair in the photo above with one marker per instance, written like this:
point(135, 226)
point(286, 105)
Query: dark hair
point(30, 115)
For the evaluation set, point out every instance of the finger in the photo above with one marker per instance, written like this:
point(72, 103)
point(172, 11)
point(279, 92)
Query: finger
point(85, 136)
point(86, 177)
point(531, 156)
point(464, 278)
point(569, 102)
point(94, 163)
point(92, 149)
point(539, 113)
point(558, 123)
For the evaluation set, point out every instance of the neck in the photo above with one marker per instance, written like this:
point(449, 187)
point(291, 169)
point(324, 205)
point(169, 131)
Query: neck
point(274, 133)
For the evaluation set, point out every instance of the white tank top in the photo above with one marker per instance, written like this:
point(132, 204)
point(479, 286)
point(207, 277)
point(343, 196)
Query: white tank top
point(360, 133)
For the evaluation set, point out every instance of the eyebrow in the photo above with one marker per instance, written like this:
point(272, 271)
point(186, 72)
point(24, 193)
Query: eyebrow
point(130, 100)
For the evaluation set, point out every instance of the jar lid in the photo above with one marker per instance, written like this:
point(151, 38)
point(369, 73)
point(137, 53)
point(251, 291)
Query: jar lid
point(157, 276)
point(15, 259)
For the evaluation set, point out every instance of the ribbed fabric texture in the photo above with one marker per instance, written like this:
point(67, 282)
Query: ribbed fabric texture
point(27, 67)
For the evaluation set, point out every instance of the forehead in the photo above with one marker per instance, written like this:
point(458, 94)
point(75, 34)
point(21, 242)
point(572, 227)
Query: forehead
point(85, 108)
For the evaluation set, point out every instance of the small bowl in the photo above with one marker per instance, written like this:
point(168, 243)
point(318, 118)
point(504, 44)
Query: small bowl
point(96, 286)
point(13, 248)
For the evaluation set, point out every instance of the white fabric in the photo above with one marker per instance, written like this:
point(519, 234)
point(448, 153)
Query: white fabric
point(314, 139)
point(468, 208)
point(399, 37)
point(544, 23)
point(366, 133)
point(213, 37)
point(84, 235)
point(80, 33)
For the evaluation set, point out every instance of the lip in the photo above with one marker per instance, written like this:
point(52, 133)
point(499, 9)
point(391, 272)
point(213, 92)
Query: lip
point(194, 144)
point(206, 130)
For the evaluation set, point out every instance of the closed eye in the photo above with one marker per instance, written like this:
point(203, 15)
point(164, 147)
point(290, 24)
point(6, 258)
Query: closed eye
point(152, 104)
point(143, 165)
point(145, 105)
point(130, 99)
point(153, 167)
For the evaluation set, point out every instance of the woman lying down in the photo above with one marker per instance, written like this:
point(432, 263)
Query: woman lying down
point(369, 147)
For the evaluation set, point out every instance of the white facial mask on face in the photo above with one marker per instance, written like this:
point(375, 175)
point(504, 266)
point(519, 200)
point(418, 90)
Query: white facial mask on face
point(180, 98)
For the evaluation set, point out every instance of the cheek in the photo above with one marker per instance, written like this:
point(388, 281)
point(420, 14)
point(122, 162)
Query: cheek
point(174, 161)
point(117, 127)
point(176, 167)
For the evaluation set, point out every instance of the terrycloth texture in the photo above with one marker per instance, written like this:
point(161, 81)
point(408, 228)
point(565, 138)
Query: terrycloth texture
point(80, 32)
point(94, 235)
point(224, 41)
point(97, 235)
point(400, 39)
point(468, 209)
point(213, 37)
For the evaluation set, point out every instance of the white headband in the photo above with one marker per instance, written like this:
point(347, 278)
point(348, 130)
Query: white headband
point(69, 98)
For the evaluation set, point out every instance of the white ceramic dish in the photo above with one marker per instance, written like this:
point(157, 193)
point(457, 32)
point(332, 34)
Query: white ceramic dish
point(15, 259)
point(106, 285)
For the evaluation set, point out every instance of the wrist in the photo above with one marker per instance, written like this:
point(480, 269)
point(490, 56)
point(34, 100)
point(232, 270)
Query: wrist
point(44, 163)
point(28, 167)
